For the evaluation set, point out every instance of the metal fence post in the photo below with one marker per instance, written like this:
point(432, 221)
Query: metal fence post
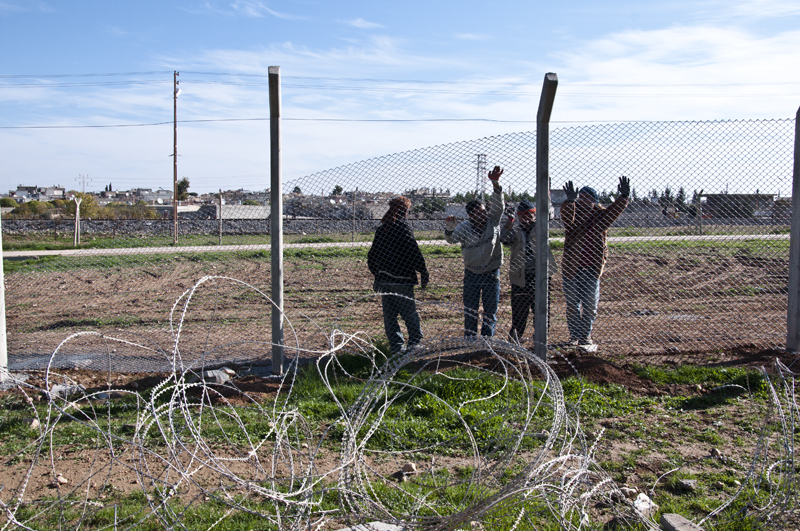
point(793, 313)
point(543, 213)
point(76, 235)
point(3, 335)
point(276, 217)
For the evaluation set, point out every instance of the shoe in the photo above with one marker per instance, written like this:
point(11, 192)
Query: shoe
point(572, 342)
point(587, 345)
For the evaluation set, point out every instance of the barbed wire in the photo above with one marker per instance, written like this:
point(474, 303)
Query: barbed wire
point(513, 456)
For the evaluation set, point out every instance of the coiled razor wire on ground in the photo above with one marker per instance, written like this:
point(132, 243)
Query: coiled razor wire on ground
point(519, 454)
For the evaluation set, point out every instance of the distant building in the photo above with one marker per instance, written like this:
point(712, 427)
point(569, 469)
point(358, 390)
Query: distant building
point(38, 193)
point(738, 205)
point(782, 209)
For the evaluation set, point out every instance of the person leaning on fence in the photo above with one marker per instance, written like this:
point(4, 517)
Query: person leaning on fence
point(522, 267)
point(482, 252)
point(585, 253)
point(394, 259)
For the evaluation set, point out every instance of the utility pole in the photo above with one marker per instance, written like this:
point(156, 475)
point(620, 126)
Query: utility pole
point(175, 92)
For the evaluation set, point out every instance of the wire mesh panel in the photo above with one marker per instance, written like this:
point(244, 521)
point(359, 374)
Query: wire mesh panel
point(697, 259)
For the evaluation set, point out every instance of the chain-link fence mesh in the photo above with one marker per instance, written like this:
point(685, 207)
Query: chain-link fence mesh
point(697, 261)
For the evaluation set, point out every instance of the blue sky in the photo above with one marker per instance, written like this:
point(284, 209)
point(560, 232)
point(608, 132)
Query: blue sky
point(410, 60)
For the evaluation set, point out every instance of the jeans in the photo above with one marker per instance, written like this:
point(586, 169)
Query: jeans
point(398, 299)
point(477, 286)
point(582, 293)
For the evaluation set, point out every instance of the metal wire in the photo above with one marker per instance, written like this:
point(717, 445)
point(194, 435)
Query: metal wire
point(515, 451)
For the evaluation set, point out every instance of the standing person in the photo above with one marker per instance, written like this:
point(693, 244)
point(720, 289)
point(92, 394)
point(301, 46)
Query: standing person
point(394, 259)
point(482, 252)
point(585, 253)
point(522, 267)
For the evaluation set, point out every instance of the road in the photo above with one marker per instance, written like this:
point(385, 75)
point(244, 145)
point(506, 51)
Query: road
point(266, 247)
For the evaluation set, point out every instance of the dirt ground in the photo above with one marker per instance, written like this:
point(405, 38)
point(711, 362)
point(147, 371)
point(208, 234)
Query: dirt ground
point(664, 305)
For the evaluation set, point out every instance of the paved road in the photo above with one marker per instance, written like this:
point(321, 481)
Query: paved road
point(266, 247)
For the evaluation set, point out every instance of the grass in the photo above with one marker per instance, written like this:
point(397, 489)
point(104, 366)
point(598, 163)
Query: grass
point(42, 242)
point(690, 252)
point(420, 414)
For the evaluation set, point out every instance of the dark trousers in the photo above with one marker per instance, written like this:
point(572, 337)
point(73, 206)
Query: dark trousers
point(522, 303)
point(398, 300)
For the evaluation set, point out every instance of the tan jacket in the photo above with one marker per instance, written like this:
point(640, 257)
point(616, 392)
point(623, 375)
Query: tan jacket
point(518, 238)
point(586, 235)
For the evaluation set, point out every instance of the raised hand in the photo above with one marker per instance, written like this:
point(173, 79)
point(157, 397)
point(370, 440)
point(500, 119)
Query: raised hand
point(572, 193)
point(624, 188)
point(495, 173)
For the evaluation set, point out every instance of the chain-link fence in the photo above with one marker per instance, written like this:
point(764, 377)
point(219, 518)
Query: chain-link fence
point(697, 260)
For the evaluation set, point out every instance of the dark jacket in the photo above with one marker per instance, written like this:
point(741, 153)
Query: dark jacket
point(586, 235)
point(395, 256)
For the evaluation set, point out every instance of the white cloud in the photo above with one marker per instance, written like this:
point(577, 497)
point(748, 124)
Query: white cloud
point(247, 8)
point(255, 9)
point(30, 5)
point(364, 24)
point(696, 72)
point(472, 37)
point(760, 9)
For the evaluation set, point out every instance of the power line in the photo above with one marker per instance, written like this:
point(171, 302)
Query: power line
point(24, 76)
point(493, 83)
point(376, 120)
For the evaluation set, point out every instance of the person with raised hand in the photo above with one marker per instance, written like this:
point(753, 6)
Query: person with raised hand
point(482, 253)
point(586, 225)
point(394, 259)
point(522, 267)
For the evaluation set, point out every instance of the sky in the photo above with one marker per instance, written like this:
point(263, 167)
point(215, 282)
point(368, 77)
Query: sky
point(359, 79)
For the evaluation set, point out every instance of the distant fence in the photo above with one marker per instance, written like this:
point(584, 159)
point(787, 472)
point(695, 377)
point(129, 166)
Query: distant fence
point(233, 227)
point(678, 282)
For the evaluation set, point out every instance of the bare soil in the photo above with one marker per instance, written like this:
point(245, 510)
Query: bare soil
point(688, 305)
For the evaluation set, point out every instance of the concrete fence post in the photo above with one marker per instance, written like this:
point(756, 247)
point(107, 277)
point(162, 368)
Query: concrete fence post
point(793, 312)
point(76, 235)
point(542, 294)
point(3, 336)
point(276, 217)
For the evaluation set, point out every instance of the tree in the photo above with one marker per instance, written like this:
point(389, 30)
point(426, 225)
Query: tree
point(297, 190)
point(429, 205)
point(605, 198)
point(337, 190)
point(516, 197)
point(251, 202)
point(8, 202)
point(183, 189)
point(89, 206)
point(680, 200)
point(667, 198)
